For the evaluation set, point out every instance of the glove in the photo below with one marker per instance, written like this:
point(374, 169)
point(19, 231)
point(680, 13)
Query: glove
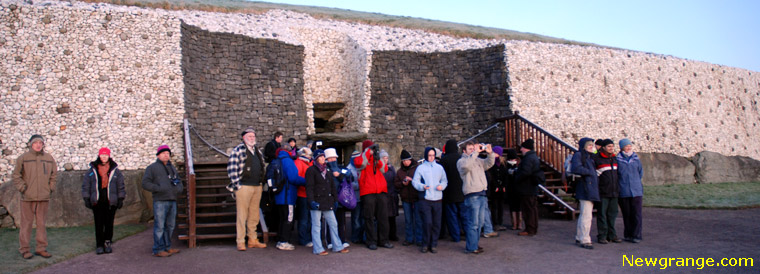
point(87, 203)
point(314, 205)
point(120, 203)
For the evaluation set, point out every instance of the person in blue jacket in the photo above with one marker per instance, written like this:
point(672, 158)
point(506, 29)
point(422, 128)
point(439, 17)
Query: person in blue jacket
point(586, 191)
point(286, 199)
point(630, 173)
point(430, 180)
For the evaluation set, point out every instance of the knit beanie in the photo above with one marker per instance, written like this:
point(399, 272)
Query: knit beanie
point(598, 142)
point(607, 142)
point(35, 138)
point(366, 144)
point(528, 144)
point(498, 150)
point(104, 151)
point(383, 153)
point(355, 154)
point(318, 153)
point(247, 130)
point(163, 148)
point(405, 155)
point(624, 142)
point(511, 154)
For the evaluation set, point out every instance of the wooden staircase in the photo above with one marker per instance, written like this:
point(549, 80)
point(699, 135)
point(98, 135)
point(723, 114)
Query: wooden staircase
point(557, 196)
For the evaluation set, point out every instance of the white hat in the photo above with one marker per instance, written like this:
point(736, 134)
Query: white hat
point(330, 152)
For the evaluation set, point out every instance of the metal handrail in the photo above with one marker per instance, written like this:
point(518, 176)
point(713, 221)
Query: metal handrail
point(479, 133)
point(556, 198)
point(188, 149)
point(192, 128)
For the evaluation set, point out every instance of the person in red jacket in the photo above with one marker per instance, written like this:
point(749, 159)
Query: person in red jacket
point(373, 189)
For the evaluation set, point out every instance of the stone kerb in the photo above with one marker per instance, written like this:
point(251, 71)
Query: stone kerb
point(86, 79)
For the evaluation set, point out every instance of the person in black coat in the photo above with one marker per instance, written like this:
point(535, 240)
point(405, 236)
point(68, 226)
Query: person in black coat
point(321, 195)
point(607, 208)
point(513, 199)
point(453, 196)
point(527, 178)
point(270, 150)
point(497, 186)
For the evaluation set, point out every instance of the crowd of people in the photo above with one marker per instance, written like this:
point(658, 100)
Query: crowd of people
point(459, 191)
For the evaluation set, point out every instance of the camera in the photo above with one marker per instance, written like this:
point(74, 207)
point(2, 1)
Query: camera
point(176, 181)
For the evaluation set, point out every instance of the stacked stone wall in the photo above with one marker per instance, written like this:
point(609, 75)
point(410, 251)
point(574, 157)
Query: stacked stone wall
point(233, 82)
point(662, 103)
point(85, 79)
point(423, 99)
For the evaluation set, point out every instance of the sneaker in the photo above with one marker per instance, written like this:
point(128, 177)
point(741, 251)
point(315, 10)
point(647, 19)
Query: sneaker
point(344, 251)
point(162, 254)
point(310, 244)
point(107, 249)
point(424, 249)
point(99, 251)
point(285, 246)
point(329, 246)
point(603, 241)
point(323, 253)
point(44, 254)
point(345, 245)
point(388, 245)
point(372, 247)
point(636, 241)
point(586, 246)
point(491, 235)
point(433, 250)
point(616, 240)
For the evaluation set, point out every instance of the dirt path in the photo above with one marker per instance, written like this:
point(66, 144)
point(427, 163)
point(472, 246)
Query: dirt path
point(667, 233)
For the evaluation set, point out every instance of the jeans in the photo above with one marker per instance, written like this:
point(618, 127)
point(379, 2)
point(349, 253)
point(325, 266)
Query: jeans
point(357, 224)
point(164, 217)
point(304, 221)
point(487, 225)
point(475, 205)
point(316, 228)
point(412, 223)
point(455, 218)
point(430, 212)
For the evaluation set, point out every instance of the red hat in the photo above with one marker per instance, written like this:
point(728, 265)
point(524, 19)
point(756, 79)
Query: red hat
point(104, 151)
point(366, 144)
point(163, 148)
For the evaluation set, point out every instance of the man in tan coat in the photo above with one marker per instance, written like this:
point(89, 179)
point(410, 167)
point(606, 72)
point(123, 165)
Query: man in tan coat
point(34, 176)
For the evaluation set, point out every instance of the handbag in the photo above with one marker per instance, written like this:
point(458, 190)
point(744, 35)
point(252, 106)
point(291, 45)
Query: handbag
point(346, 195)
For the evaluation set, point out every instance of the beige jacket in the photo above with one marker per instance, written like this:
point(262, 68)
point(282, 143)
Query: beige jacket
point(473, 172)
point(34, 175)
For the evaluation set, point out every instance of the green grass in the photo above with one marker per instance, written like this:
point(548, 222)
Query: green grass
point(64, 243)
point(704, 196)
point(369, 18)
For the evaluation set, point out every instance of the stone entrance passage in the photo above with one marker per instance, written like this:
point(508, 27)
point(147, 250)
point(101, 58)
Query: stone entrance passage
point(329, 117)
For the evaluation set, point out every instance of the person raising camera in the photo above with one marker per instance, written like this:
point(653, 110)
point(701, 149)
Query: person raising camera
point(373, 189)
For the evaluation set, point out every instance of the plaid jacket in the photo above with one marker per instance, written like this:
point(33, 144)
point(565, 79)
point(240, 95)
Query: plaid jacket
point(235, 165)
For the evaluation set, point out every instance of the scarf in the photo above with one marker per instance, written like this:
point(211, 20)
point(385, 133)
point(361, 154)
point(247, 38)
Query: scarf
point(322, 168)
point(103, 173)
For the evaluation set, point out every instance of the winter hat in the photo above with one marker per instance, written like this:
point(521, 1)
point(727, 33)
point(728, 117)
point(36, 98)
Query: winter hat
point(528, 144)
point(624, 142)
point(598, 142)
point(405, 155)
point(383, 153)
point(511, 154)
point(305, 152)
point(366, 144)
point(291, 140)
point(163, 148)
point(104, 151)
point(35, 138)
point(248, 130)
point(355, 154)
point(583, 142)
point(498, 150)
point(606, 142)
point(330, 152)
point(318, 153)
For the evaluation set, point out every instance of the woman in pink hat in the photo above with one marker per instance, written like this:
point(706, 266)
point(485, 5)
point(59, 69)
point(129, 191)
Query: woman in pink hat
point(104, 192)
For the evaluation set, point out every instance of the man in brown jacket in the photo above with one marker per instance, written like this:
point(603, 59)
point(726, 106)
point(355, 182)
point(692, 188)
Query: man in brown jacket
point(34, 176)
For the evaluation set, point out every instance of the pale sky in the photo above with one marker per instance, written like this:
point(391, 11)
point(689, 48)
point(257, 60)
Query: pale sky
point(720, 32)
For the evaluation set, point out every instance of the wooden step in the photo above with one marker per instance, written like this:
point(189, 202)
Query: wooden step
point(549, 203)
point(202, 164)
point(562, 212)
point(207, 169)
point(206, 225)
point(209, 236)
point(555, 187)
point(214, 204)
point(209, 178)
point(212, 195)
point(205, 215)
point(209, 186)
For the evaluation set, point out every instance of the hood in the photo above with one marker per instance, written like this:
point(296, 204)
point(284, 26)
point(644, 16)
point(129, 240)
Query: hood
point(583, 141)
point(427, 149)
point(283, 154)
point(451, 147)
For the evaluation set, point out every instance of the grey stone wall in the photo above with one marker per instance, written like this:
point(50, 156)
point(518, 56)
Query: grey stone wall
point(234, 81)
point(423, 99)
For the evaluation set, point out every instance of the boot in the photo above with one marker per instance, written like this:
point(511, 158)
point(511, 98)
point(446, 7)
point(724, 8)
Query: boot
point(256, 244)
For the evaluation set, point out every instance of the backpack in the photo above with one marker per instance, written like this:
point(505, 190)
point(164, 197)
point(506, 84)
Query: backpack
point(275, 176)
point(569, 179)
point(346, 195)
